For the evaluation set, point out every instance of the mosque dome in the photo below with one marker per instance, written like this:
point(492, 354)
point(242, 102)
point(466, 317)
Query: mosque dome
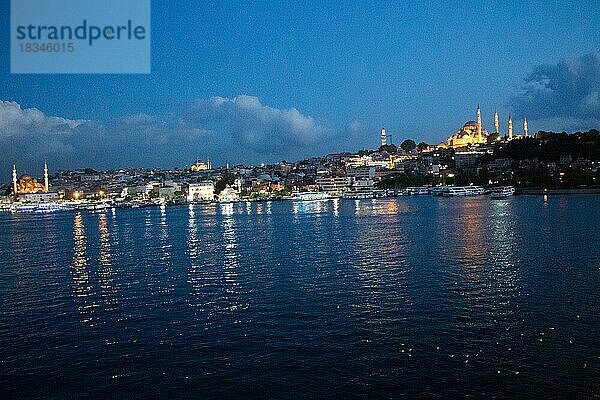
point(471, 133)
point(27, 184)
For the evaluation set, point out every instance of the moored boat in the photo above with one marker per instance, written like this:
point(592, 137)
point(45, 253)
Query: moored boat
point(309, 196)
point(502, 192)
point(40, 208)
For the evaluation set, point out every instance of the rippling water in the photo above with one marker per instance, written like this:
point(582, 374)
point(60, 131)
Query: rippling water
point(416, 297)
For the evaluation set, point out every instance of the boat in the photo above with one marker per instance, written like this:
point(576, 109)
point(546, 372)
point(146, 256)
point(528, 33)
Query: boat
point(502, 192)
point(358, 195)
point(452, 191)
point(100, 206)
point(417, 191)
point(437, 190)
point(40, 208)
point(310, 196)
point(474, 190)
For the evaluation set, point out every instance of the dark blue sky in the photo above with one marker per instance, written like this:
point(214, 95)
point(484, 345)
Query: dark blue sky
point(419, 69)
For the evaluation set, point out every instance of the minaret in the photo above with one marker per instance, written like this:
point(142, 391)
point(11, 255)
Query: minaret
point(510, 135)
point(46, 186)
point(478, 124)
point(496, 123)
point(15, 188)
point(383, 137)
point(525, 128)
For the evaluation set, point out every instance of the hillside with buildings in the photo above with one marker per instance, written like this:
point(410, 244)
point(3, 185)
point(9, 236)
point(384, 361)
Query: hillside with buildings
point(471, 156)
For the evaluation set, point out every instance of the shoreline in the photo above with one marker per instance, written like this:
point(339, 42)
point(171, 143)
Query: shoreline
point(542, 191)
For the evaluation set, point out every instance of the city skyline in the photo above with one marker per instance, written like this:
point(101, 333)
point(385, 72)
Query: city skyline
point(256, 83)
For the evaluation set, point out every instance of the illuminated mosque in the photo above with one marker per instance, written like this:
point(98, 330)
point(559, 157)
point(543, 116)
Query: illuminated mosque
point(26, 184)
point(200, 166)
point(472, 132)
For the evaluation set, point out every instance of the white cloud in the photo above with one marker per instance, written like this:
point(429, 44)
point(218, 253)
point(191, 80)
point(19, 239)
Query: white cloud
point(240, 129)
point(16, 121)
point(261, 128)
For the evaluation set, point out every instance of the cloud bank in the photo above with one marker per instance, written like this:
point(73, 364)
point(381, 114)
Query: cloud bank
point(561, 96)
point(236, 130)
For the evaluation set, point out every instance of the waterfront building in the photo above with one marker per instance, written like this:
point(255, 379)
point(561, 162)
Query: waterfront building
point(203, 191)
point(334, 184)
point(361, 172)
point(135, 190)
point(363, 185)
point(510, 128)
point(229, 195)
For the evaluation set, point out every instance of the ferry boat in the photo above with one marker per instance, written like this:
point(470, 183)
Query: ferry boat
point(358, 195)
point(417, 191)
point(309, 196)
point(502, 192)
point(474, 190)
point(452, 191)
point(437, 190)
point(40, 208)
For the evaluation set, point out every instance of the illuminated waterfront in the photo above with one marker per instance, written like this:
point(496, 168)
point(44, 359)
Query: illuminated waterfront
point(418, 296)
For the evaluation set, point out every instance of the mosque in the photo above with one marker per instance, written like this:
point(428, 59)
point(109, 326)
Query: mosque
point(472, 132)
point(200, 166)
point(29, 189)
point(27, 184)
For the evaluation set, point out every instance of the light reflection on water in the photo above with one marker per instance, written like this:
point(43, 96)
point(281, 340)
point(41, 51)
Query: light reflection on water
point(106, 275)
point(449, 294)
point(83, 289)
point(231, 260)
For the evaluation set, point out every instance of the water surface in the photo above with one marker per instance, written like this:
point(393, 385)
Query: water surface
point(415, 297)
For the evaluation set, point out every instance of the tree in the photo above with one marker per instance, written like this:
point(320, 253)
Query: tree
point(408, 145)
point(390, 148)
point(493, 137)
point(422, 146)
point(226, 179)
point(403, 180)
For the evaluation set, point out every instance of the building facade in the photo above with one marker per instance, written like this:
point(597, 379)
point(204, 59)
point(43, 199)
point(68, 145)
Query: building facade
point(203, 191)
